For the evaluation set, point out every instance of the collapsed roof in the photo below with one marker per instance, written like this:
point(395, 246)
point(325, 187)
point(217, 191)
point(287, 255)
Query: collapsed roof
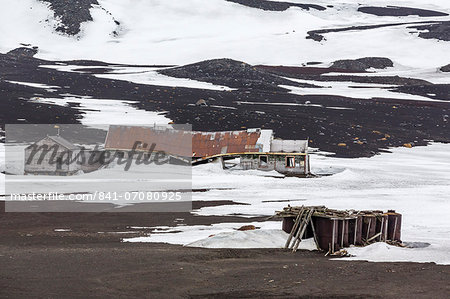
point(200, 144)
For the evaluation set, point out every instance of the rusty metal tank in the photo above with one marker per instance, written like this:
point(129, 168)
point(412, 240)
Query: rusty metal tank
point(394, 228)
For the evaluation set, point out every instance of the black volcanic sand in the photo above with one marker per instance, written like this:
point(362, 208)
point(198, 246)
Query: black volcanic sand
point(397, 11)
point(366, 126)
point(37, 262)
point(275, 5)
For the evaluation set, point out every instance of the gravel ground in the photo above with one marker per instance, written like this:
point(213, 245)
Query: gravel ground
point(37, 262)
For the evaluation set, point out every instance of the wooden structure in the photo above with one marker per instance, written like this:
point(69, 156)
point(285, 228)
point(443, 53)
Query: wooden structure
point(333, 230)
point(51, 155)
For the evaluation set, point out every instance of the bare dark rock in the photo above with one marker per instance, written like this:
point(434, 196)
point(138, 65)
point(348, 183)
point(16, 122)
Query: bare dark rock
point(71, 13)
point(445, 69)
point(318, 35)
point(315, 36)
point(231, 73)
point(275, 5)
point(440, 31)
point(397, 11)
point(23, 52)
point(313, 63)
point(363, 64)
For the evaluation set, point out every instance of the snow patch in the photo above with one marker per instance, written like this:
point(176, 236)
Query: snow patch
point(382, 252)
point(100, 113)
point(36, 85)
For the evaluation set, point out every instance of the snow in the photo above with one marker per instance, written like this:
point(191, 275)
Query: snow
point(88, 187)
point(382, 252)
point(100, 113)
point(36, 85)
point(184, 235)
point(265, 140)
point(432, 75)
point(180, 32)
point(354, 90)
point(139, 178)
point(152, 77)
point(292, 104)
point(223, 235)
point(142, 75)
point(268, 238)
point(413, 182)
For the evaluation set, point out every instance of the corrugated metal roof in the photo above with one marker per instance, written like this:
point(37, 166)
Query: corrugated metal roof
point(196, 144)
point(175, 142)
point(206, 144)
point(200, 144)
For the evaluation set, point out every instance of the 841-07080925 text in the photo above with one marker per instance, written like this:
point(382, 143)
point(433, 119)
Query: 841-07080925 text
point(135, 196)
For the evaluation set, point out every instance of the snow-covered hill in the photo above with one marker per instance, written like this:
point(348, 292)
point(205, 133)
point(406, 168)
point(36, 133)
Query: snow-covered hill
point(180, 32)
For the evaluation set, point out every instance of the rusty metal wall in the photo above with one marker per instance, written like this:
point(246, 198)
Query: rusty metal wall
point(175, 142)
point(394, 226)
point(335, 233)
point(206, 144)
point(201, 144)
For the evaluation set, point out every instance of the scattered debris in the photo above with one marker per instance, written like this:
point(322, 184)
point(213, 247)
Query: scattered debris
point(247, 227)
point(201, 102)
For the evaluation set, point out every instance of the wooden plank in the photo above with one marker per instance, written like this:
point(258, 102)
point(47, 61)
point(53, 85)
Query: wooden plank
point(305, 224)
point(333, 236)
point(294, 228)
point(300, 228)
point(315, 235)
point(374, 237)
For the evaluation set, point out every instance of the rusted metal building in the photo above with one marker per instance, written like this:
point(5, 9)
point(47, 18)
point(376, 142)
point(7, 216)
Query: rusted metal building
point(256, 148)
